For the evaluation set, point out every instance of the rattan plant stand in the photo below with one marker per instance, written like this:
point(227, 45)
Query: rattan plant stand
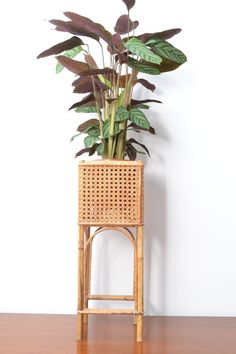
point(110, 198)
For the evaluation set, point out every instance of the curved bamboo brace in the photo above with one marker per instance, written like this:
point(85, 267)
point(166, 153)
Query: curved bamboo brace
point(125, 231)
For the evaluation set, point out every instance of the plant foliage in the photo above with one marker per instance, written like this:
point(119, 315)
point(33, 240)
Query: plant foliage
point(109, 89)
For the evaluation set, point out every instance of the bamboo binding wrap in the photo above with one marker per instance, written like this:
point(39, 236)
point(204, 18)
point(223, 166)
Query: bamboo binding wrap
point(111, 192)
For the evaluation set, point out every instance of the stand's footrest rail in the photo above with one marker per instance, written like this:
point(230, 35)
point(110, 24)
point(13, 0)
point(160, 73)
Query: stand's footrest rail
point(94, 311)
point(111, 297)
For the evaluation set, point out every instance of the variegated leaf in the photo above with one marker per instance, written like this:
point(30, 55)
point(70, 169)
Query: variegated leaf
point(136, 46)
point(139, 118)
point(167, 50)
point(143, 67)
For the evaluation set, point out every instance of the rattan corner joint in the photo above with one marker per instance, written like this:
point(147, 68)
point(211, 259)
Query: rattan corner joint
point(110, 198)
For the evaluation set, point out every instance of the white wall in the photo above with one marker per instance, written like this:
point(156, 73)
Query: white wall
point(190, 228)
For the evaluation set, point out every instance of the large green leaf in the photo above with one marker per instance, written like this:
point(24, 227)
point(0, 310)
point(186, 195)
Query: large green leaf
point(143, 67)
point(168, 65)
point(86, 109)
point(138, 129)
point(122, 114)
point(136, 46)
point(93, 131)
point(90, 140)
point(106, 128)
point(139, 118)
point(69, 54)
point(100, 149)
point(167, 50)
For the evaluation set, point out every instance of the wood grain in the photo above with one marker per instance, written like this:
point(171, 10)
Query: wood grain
point(56, 334)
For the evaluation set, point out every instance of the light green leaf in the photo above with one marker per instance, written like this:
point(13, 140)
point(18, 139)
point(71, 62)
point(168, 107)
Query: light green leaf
point(93, 131)
point(106, 127)
point(105, 81)
point(75, 136)
point(90, 109)
point(69, 54)
point(90, 140)
point(121, 98)
point(167, 50)
point(136, 46)
point(143, 67)
point(100, 149)
point(139, 118)
point(122, 114)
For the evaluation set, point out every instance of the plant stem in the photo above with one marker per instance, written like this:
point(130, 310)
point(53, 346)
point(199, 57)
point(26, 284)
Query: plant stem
point(98, 108)
point(123, 125)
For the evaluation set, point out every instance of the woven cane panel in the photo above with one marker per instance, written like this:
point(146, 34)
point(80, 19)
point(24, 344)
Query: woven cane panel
point(111, 194)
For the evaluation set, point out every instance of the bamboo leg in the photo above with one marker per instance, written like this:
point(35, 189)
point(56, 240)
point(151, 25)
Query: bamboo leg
point(135, 284)
point(80, 281)
point(140, 282)
point(87, 272)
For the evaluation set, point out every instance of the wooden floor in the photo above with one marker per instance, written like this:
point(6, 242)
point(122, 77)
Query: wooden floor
point(56, 334)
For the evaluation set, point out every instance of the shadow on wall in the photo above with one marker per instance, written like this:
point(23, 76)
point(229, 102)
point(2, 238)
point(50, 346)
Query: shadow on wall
point(155, 245)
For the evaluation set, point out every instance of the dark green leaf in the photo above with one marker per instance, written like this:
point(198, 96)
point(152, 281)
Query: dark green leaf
point(61, 47)
point(168, 65)
point(133, 141)
point(89, 141)
point(167, 50)
point(141, 106)
point(93, 131)
point(136, 46)
point(143, 67)
point(86, 109)
point(122, 114)
point(139, 118)
point(137, 128)
point(106, 129)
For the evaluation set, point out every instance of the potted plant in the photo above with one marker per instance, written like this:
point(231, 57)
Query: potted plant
point(111, 191)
